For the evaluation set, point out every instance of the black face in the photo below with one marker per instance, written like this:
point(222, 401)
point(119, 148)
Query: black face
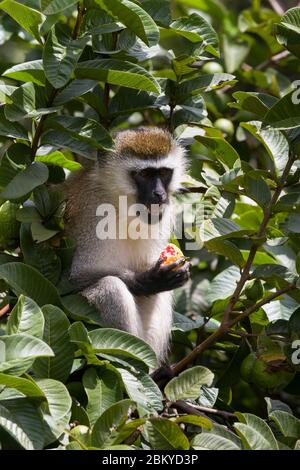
point(152, 185)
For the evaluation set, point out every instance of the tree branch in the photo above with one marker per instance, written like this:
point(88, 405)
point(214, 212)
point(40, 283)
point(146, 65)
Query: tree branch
point(276, 7)
point(80, 15)
point(199, 410)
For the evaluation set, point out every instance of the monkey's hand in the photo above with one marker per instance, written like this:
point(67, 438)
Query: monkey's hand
point(161, 278)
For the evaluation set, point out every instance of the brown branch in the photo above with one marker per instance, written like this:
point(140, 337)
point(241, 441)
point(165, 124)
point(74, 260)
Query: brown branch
point(106, 90)
point(263, 302)
point(199, 410)
point(276, 7)
point(80, 14)
point(273, 60)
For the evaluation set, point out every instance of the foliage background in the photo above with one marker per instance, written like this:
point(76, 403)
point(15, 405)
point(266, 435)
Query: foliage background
point(71, 73)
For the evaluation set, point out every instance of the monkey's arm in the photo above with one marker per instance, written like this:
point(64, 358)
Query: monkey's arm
point(153, 281)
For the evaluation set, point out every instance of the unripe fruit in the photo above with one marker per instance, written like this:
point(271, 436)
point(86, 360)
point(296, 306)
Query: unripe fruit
point(9, 226)
point(247, 367)
point(171, 254)
point(225, 126)
point(270, 376)
point(254, 290)
point(212, 67)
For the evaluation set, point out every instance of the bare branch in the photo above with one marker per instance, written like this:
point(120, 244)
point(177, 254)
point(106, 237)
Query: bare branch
point(276, 7)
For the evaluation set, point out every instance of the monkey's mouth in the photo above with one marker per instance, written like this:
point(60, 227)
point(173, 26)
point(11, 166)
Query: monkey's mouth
point(155, 209)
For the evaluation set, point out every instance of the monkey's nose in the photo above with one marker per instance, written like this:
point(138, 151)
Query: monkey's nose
point(160, 197)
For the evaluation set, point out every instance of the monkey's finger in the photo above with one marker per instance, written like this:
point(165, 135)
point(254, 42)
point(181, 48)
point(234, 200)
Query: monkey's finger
point(158, 264)
point(172, 266)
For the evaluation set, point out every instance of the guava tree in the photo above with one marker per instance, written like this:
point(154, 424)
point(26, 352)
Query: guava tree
point(223, 79)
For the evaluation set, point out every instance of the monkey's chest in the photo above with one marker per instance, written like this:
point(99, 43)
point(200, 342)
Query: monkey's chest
point(138, 255)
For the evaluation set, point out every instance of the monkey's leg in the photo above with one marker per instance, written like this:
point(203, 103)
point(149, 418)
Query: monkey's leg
point(116, 305)
point(156, 314)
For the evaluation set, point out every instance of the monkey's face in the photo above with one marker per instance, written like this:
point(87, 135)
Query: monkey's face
point(152, 187)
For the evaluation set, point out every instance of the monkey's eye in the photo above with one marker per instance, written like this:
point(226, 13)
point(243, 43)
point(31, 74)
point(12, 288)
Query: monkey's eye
point(166, 173)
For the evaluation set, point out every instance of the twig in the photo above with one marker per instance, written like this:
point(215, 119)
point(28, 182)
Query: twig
point(276, 7)
point(273, 60)
point(4, 310)
point(199, 410)
point(263, 302)
point(133, 437)
point(106, 90)
point(80, 14)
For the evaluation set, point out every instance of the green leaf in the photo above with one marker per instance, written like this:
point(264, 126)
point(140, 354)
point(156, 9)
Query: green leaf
point(219, 438)
point(224, 284)
point(143, 390)
point(61, 139)
point(188, 384)
point(56, 335)
point(20, 351)
point(288, 30)
point(134, 17)
point(235, 52)
point(51, 7)
point(78, 308)
point(163, 434)
point(28, 387)
point(111, 341)
point(58, 159)
point(28, 18)
point(25, 181)
point(257, 103)
point(221, 149)
point(288, 424)
point(220, 228)
point(274, 142)
point(227, 249)
point(75, 89)
point(28, 100)
point(285, 113)
point(87, 130)
point(58, 398)
point(205, 83)
point(60, 56)
point(255, 433)
point(257, 189)
point(103, 390)
point(27, 72)
point(197, 29)
point(159, 10)
point(26, 317)
point(28, 281)
point(117, 72)
point(23, 422)
point(9, 129)
point(195, 420)
point(105, 430)
point(127, 101)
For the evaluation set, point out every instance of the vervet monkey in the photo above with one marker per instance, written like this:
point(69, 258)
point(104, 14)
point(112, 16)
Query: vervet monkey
point(123, 277)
